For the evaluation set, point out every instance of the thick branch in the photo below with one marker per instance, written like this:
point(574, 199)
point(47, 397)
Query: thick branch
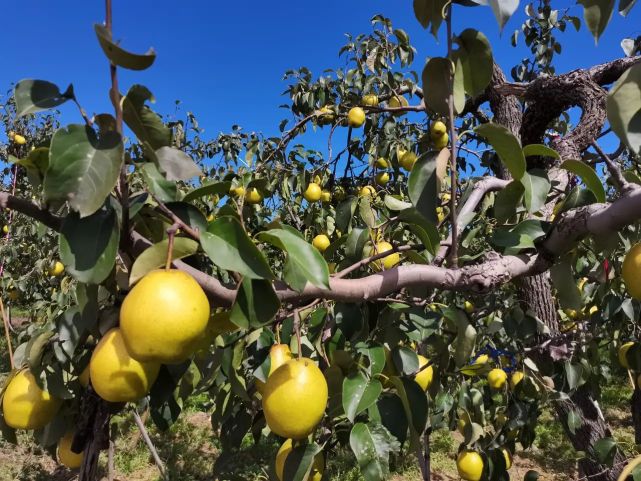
point(8, 201)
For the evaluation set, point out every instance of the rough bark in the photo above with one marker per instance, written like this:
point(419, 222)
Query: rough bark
point(593, 427)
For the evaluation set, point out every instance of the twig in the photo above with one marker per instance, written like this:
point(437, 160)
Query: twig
point(5, 321)
point(83, 113)
point(162, 208)
point(150, 445)
point(615, 172)
point(453, 255)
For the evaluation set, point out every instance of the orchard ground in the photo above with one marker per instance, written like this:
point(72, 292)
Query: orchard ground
point(191, 450)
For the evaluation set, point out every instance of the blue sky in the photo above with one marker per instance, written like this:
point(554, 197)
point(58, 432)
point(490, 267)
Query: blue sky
point(225, 60)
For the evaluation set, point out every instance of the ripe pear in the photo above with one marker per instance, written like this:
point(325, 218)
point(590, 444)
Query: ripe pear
point(313, 192)
point(66, 456)
point(163, 317)
point(25, 405)
point(115, 375)
point(295, 397)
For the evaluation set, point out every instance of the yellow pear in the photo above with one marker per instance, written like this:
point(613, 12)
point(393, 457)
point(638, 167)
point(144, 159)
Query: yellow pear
point(356, 117)
point(497, 378)
point(326, 196)
point(321, 242)
point(367, 190)
point(516, 378)
point(65, 455)
point(382, 163)
point(56, 269)
point(424, 377)
point(318, 466)
point(388, 261)
point(397, 101)
point(370, 100)
point(470, 465)
point(253, 196)
point(437, 129)
point(382, 178)
point(115, 375)
point(442, 141)
point(313, 192)
point(25, 405)
point(623, 353)
point(163, 317)
point(408, 160)
point(295, 397)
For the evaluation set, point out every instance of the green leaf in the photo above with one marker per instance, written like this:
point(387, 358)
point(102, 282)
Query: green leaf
point(465, 339)
point(536, 188)
point(83, 169)
point(155, 256)
point(393, 417)
point(436, 84)
point(366, 212)
point(372, 445)
point(256, 304)
point(430, 12)
point(88, 245)
point(503, 10)
point(567, 291)
point(299, 462)
point(33, 96)
point(302, 256)
point(35, 163)
point(597, 14)
point(475, 57)
point(588, 176)
point(507, 147)
point(540, 150)
point(405, 360)
point(507, 200)
point(605, 450)
point(392, 203)
point(165, 190)
point(359, 393)
point(143, 121)
point(230, 248)
point(176, 164)
point(214, 188)
point(574, 421)
point(189, 214)
point(424, 183)
point(522, 236)
point(425, 230)
point(624, 108)
point(121, 57)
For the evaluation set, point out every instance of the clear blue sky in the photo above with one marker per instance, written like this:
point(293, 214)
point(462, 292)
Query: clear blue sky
point(225, 60)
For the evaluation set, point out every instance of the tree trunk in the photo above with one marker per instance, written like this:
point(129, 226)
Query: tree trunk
point(593, 427)
point(535, 293)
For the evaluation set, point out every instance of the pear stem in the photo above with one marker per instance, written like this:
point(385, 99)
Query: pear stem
point(171, 233)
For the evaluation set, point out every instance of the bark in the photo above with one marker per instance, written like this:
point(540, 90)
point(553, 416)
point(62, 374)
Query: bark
point(593, 427)
point(535, 294)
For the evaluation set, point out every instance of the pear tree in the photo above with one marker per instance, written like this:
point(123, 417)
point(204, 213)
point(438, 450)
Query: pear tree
point(467, 257)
